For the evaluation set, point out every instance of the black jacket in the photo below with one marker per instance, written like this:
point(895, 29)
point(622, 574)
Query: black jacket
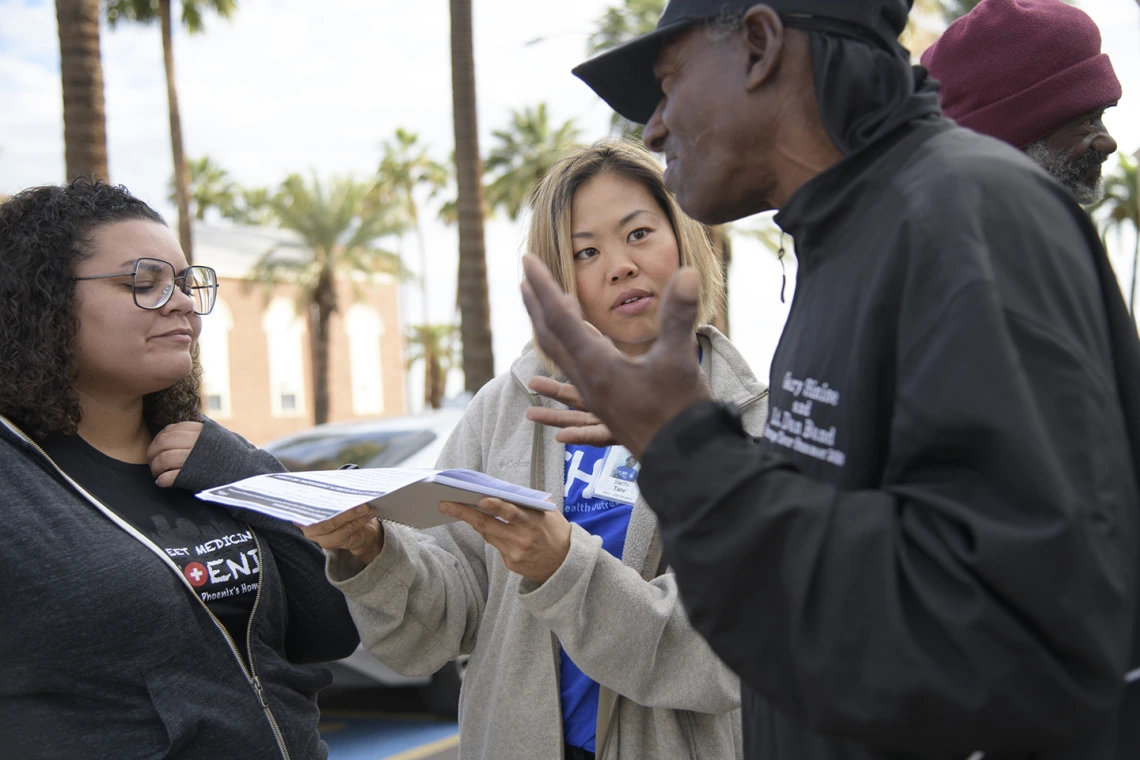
point(933, 550)
point(105, 652)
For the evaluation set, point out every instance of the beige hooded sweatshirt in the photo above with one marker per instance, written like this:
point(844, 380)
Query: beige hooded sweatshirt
point(434, 595)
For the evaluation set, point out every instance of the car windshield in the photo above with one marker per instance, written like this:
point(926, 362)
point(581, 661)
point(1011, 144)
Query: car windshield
point(328, 451)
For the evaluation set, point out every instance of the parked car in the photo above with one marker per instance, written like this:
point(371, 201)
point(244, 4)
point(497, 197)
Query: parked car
point(414, 441)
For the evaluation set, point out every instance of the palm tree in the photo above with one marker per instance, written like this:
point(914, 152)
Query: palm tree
point(251, 205)
point(209, 187)
point(144, 12)
point(1121, 207)
point(474, 301)
point(404, 168)
point(81, 71)
point(339, 226)
point(437, 347)
point(525, 151)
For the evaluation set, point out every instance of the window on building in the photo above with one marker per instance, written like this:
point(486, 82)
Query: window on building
point(364, 328)
point(214, 354)
point(284, 335)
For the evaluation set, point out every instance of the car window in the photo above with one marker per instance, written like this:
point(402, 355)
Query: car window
point(385, 448)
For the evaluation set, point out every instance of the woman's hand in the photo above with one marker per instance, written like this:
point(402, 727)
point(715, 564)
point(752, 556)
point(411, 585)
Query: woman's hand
point(577, 423)
point(357, 530)
point(170, 449)
point(533, 543)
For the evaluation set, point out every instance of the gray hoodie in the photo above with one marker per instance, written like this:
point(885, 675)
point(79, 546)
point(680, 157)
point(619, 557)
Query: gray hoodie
point(432, 596)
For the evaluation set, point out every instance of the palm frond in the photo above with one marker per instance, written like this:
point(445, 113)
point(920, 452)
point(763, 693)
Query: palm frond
point(522, 155)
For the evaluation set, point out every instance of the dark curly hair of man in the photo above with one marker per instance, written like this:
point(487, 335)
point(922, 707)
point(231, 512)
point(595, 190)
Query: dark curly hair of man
point(44, 231)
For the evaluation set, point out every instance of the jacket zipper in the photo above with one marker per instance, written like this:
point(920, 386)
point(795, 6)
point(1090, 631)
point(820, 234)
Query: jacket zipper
point(752, 401)
point(537, 464)
point(250, 674)
point(536, 459)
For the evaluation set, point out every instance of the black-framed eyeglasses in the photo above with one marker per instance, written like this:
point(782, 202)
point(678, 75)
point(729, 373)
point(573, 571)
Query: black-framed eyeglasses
point(153, 282)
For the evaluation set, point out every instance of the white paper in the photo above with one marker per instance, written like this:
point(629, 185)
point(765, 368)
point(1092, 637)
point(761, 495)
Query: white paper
point(311, 497)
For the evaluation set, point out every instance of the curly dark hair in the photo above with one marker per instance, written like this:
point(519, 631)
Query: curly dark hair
point(44, 231)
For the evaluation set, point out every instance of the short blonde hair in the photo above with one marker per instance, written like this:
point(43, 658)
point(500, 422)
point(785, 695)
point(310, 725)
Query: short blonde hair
point(552, 200)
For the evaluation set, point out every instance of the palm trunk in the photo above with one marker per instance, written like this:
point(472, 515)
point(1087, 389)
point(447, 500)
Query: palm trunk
point(434, 382)
point(474, 302)
point(423, 307)
point(324, 303)
point(723, 248)
point(1135, 263)
point(181, 194)
point(81, 72)
point(423, 268)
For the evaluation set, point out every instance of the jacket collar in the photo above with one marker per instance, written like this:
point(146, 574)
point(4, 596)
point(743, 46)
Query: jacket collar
point(817, 215)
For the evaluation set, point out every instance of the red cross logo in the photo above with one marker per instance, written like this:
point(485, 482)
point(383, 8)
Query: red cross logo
point(195, 572)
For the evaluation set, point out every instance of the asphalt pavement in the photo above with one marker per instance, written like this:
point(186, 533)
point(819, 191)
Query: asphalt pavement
point(384, 724)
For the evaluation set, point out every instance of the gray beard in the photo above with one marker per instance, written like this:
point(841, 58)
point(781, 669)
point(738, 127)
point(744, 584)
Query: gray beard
point(1071, 174)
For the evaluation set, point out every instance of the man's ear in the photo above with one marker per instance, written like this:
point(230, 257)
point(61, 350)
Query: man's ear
point(763, 35)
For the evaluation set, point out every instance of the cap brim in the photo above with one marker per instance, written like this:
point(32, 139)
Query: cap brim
point(623, 76)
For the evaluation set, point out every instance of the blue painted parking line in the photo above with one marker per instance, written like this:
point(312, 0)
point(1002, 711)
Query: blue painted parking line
point(375, 736)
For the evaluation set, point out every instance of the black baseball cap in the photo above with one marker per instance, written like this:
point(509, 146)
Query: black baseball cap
point(623, 76)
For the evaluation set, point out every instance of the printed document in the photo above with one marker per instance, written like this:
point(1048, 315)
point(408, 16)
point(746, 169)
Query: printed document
point(402, 495)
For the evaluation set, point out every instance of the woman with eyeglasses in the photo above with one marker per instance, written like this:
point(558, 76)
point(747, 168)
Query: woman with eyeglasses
point(137, 620)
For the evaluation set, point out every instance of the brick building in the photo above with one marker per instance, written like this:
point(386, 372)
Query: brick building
point(255, 348)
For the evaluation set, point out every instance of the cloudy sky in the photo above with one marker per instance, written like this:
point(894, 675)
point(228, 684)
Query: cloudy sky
point(295, 85)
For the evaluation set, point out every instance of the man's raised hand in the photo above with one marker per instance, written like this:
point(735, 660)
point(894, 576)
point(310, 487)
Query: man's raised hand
point(634, 397)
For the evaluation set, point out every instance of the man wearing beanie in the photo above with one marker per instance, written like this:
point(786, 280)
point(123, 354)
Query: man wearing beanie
point(1030, 72)
point(932, 552)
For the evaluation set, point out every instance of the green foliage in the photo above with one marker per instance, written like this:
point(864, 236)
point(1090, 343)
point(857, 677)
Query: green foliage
point(434, 341)
point(523, 154)
point(339, 224)
point(147, 11)
point(406, 166)
point(210, 187)
point(439, 348)
point(1120, 209)
point(252, 205)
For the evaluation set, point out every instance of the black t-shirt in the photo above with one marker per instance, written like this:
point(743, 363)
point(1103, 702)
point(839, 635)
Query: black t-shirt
point(216, 553)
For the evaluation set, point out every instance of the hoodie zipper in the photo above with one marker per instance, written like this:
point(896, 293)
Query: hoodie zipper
point(250, 674)
point(748, 403)
point(537, 465)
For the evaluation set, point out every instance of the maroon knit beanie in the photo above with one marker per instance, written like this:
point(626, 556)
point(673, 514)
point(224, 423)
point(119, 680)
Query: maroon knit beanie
point(1018, 70)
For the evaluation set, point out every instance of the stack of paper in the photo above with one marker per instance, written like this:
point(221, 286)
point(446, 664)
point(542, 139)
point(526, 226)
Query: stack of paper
point(406, 496)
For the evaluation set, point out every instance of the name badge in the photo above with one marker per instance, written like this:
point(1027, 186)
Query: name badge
point(617, 480)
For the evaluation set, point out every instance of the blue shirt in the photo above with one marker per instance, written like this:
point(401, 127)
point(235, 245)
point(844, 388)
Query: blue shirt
point(609, 520)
